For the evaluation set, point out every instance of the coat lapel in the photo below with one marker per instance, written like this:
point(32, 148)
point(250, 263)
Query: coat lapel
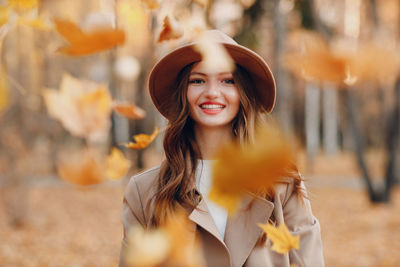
point(201, 216)
point(242, 231)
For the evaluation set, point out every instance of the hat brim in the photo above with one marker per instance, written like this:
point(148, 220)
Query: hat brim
point(164, 74)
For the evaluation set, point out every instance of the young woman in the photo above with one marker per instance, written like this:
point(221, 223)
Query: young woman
point(204, 110)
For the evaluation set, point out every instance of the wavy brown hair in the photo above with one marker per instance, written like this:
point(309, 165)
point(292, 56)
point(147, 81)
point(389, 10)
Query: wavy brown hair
point(176, 182)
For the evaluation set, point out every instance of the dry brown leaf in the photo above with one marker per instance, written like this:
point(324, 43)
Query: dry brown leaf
point(171, 30)
point(214, 55)
point(83, 107)
point(85, 43)
point(282, 239)
point(117, 165)
point(82, 167)
point(254, 167)
point(142, 140)
point(130, 111)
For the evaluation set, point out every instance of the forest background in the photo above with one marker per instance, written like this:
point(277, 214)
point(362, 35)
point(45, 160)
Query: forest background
point(336, 64)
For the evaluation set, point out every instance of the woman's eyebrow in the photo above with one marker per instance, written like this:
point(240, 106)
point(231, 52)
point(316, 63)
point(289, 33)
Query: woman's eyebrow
point(197, 73)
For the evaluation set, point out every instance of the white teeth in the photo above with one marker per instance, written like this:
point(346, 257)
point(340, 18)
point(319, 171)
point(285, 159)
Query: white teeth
point(211, 106)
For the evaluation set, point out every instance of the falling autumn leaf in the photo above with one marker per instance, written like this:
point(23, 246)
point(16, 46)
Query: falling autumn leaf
point(83, 107)
point(142, 140)
point(151, 4)
point(214, 55)
point(146, 248)
point(171, 244)
point(254, 167)
point(171, 30)
point(116, 164)
point(130, 111)
point(312, 59)
point(84, 43)
point(282, 239)
point(82, 167)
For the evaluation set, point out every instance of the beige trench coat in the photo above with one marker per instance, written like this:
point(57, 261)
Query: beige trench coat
point(239, 245)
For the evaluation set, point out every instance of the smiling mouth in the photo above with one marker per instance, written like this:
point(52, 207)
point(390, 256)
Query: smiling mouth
point(212, 106)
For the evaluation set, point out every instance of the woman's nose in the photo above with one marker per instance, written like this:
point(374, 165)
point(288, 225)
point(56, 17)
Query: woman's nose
point(213, 89)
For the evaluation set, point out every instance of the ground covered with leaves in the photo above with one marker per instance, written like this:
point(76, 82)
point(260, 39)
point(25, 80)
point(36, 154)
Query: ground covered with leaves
point(70, 226)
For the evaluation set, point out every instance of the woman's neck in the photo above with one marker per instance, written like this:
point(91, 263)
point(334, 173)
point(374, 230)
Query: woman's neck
point(210, 138)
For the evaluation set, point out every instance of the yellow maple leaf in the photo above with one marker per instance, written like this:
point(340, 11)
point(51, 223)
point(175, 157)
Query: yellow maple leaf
point(116, 164)
point(130, 111)
point(214, 55)
point(83, 107)
point(255, 167)
point(142, 140)
point(82, 167)
point(171, 30)
point(146, 248)
point(282, 239)
point(85, 43)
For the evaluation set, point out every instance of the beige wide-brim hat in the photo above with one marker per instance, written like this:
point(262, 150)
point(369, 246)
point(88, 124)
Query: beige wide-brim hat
point(162, 79)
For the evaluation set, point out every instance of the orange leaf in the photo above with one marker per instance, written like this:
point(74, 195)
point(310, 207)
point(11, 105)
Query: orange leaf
point(4, 14)
point(83, 107)
point(171, 30)
point(129, 110)
point(142, 140)
point(282, 239)
point(83, 167)
point(253, 168)
point(116, 164)
point(23, 4)
point(85, 43)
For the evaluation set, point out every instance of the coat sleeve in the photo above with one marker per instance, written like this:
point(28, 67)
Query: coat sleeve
point(132, 214)
point(300, 221)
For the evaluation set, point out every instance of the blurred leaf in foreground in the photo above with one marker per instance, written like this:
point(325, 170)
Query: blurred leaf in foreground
point(84, 43)
point(282, 239)
point(146, 248)
point(254, 167)
point(172, 244)
point(171, 30)
point(82, 106)
point(214, 55)
point(82, 167)
point(116, 164)
point(4, 14)
point(142, 140)
point(130, 111)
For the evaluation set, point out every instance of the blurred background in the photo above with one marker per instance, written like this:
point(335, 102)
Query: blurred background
point(73, 87)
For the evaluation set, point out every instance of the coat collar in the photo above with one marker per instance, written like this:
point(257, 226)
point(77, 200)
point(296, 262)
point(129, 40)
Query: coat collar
point(242, 231)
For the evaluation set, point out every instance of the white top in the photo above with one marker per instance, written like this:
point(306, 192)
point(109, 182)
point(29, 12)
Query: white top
point(203, 183)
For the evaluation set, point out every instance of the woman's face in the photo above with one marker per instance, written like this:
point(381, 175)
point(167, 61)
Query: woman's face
point(213, 97)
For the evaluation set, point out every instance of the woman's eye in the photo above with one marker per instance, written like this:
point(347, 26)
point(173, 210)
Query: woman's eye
point(229, 81)
point(196, 81)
